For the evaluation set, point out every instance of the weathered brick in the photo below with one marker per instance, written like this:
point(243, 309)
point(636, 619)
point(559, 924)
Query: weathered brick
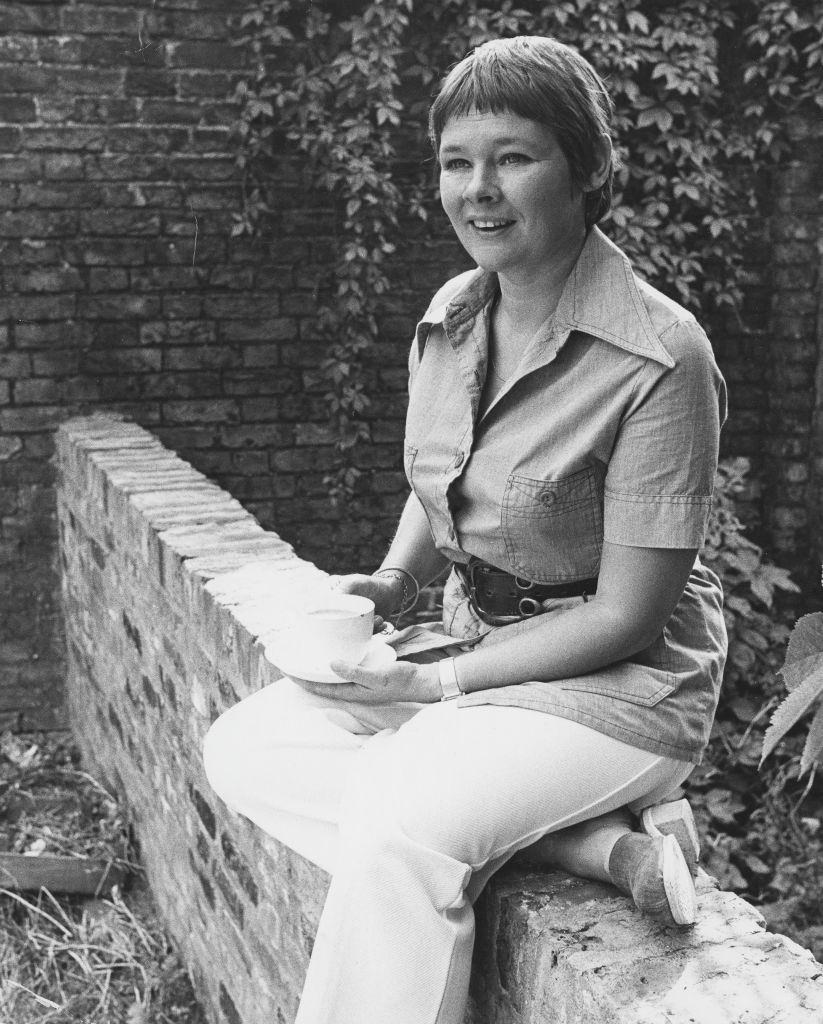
point(17, 108)
point(10, 139)
point(64, 139)
point(142, 140)
point(178, 332)
point(63, 166)
point(18, 48)
point(88, 19)
point(115, 306)
point(182, 307)
point(110, 51)
point(203, 54)
point(97, 109)
point(121, 360)
point(250, 435)
point(15, 364)
point(130, 224)
point(22, 167)
point(42, 307)
point(163, 278)
point(206, 411)
point(52, 280)
point(148, 81)
point(106, 252)
point(265, 329)
point(58, 49)
point(170, 112)
point(193, 357)
point(26, 18)
point(108, 279)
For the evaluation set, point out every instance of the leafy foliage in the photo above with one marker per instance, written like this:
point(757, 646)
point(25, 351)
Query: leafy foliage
point(761, 829)
point(338, 107)
point(702, 90)
point(750, 582)
point(803, 675)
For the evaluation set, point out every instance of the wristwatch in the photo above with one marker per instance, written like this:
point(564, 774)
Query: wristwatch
point(448, 679)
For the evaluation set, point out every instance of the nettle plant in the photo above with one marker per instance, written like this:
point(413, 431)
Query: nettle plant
point(802, 674)
point(750, 584)
point(702, 88)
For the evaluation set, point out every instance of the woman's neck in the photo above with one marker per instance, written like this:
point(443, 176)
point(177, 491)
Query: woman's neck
point(528, 299)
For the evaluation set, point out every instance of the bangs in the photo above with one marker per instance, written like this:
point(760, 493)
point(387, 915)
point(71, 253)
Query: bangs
point(494, 85)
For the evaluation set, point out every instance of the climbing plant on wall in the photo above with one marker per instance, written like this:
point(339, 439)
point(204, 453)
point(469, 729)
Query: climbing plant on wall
point(702, 88)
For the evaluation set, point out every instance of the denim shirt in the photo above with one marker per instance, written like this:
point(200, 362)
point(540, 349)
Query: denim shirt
point(608, 430)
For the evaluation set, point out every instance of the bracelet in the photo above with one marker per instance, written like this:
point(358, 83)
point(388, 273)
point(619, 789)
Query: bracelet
point(402, 574)
point(447, 674)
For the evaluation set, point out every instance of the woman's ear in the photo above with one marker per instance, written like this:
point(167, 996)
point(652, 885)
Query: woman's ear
point(604, 163)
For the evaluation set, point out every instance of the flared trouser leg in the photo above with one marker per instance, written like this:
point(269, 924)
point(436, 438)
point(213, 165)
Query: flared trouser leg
point(411, 808)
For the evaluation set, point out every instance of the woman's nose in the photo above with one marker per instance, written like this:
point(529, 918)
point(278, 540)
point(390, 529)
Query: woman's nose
point(482, 185)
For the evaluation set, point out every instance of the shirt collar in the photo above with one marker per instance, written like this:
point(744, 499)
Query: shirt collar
point(601, 297)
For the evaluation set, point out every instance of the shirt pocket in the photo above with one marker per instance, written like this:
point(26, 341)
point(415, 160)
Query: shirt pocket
point(553, 529)
point(627, 681)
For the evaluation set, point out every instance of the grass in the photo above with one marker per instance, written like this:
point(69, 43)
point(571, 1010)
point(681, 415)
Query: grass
point(70, 960)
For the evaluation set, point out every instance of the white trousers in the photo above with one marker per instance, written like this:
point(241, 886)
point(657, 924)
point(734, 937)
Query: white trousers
point(411, 808)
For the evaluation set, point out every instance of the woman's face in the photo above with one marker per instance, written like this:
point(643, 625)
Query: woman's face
point(507, 190)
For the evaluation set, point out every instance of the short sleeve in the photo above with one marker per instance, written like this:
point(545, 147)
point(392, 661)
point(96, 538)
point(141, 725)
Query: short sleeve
point(414, 356)
point(660, 477)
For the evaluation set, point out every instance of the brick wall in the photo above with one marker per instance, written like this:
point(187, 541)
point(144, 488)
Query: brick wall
point(794, 429)
point(168, 585)
point(122, 289)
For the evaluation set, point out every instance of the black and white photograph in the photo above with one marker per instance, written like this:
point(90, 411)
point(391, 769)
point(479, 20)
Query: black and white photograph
point(411, 438)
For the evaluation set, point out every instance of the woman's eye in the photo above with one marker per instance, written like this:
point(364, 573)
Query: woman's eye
point(455, 164)
point(515, 158)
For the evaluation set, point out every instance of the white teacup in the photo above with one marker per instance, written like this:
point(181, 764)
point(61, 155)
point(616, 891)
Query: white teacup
point(335, 627)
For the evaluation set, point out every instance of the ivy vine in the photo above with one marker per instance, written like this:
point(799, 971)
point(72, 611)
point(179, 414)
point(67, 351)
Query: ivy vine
point(703, 91)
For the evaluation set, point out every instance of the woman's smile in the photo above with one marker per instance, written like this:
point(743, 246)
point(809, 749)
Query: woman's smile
point(506, 187)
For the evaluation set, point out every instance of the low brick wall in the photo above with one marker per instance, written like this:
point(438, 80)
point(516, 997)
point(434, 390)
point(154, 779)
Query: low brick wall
point(168, 586)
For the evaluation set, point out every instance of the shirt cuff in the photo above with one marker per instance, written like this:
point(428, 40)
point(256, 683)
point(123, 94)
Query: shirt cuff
point(656, 520)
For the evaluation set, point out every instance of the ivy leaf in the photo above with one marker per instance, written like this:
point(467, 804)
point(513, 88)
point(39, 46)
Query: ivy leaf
point(657, 116)
point(814, 743)
point(792, 710)
point(739, 605)
point(637, 22)
point(723, 806)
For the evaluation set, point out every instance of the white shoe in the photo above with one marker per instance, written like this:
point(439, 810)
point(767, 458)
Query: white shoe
point(653, 871)
point(674, 818)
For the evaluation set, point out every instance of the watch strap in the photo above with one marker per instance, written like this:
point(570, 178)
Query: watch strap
point(448, 679)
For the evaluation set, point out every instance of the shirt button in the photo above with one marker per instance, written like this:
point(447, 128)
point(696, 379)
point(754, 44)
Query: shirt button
point(458, 460)
point(547, 498)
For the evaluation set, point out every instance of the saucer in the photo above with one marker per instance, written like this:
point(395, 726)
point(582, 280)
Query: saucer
point(289, 656)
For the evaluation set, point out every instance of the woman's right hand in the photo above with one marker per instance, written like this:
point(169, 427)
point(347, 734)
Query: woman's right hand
point(385, 591)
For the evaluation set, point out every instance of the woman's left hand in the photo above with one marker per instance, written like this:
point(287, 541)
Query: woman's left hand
point(400, 681)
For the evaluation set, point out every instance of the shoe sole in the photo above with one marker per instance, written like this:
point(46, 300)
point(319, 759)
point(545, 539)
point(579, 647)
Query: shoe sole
point(674, 819)
point(678, 884)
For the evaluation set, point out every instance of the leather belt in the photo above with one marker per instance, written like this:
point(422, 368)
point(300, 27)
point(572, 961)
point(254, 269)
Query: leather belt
point(499, 598)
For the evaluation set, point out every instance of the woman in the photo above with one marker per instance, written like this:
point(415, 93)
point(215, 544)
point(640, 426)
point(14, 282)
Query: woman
point(561, 444)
